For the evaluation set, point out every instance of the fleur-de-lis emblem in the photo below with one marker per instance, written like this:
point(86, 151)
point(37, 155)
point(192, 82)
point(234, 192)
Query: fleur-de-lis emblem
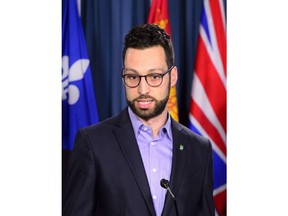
point(74, 73)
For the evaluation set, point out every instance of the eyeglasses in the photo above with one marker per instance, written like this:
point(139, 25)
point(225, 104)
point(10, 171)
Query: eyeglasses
point(153, 79)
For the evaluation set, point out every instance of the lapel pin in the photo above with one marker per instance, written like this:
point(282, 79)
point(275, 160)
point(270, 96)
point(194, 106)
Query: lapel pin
point(181, 147)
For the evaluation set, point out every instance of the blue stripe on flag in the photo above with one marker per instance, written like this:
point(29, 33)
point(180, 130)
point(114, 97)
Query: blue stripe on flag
point(219, 167)
point(204, 24)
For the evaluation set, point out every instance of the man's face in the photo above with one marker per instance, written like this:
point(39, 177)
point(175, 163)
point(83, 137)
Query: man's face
point(145, 101)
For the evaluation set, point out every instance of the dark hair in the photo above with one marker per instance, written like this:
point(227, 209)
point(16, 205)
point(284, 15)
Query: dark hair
point(149, 35)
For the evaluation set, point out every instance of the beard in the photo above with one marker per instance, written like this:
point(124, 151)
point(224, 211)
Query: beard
point(147, 114)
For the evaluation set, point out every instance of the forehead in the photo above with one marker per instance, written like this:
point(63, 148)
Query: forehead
point(143, 58)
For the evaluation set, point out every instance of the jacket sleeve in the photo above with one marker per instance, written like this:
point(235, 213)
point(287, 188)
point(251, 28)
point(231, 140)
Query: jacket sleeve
point(207, 207)
point(79, 189)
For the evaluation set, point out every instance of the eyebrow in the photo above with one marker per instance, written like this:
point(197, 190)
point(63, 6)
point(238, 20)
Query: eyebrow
point(149, 71)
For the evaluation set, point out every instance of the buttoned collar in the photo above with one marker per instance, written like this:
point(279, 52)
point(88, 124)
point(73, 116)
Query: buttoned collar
point(138, 125)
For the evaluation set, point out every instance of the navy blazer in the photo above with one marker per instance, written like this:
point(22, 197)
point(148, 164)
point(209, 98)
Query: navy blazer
point(106, 175)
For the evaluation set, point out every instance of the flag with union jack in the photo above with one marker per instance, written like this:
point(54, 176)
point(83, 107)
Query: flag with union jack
point(159, 16)
point(208, 95)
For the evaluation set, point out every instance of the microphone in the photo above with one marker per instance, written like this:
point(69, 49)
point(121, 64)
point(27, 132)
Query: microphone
point(165, 184)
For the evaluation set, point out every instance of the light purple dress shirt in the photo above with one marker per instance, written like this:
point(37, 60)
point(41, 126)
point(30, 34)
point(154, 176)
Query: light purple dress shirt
point(156, 155)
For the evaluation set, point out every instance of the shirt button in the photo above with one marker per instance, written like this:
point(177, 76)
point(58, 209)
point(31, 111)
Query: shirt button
point(154, 170)
point(154, 197)
point(153, 143)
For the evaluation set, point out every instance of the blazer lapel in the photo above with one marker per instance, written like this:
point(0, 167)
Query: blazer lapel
point(178, 167)
point(128, 144)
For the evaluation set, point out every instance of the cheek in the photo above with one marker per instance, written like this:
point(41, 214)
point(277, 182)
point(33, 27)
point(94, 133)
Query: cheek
point(131, 93)
point(162, 92)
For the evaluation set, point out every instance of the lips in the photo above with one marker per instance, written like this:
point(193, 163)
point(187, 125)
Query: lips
point(144, 103)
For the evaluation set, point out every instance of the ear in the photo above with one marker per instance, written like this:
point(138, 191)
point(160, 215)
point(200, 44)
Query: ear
point(174, 76)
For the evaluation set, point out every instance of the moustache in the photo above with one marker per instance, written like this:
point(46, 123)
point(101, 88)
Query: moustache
point(141, 97)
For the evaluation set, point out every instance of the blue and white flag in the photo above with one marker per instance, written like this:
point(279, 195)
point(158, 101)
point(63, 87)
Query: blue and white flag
point(78, 100)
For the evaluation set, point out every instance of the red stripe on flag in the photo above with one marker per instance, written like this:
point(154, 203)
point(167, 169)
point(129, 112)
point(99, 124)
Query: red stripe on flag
point(220, 202)
point(219, 30)
point(207, 126)
point(211, 82)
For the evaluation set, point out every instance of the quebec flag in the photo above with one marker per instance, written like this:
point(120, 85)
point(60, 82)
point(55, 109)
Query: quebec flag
point(78, 100)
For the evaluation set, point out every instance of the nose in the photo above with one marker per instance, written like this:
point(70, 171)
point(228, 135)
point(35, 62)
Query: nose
point(143, 87)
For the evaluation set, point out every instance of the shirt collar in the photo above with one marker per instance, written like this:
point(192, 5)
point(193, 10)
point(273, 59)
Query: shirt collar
point(137, 124)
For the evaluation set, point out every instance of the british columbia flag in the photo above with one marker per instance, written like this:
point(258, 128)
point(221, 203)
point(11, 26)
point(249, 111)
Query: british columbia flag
point(208, 95)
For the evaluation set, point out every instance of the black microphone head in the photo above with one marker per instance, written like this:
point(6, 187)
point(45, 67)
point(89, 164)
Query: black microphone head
point(164, 183)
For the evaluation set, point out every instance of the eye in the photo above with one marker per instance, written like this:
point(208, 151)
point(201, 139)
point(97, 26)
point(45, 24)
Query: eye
point(131, 77)
point(154, 76)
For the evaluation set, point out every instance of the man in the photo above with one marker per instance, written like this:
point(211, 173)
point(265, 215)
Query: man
point(117, 165)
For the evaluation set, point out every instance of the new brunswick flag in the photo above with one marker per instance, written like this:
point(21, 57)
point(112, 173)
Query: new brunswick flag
point(159, 16)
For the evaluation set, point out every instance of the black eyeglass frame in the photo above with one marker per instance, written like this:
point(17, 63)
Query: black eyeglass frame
point(145, 76)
